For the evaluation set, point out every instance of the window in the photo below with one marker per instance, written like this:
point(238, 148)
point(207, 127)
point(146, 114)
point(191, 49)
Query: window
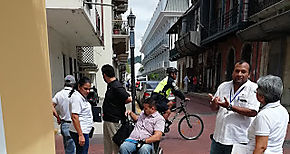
point(75, 69)
point(70, 66)
point(64, 65)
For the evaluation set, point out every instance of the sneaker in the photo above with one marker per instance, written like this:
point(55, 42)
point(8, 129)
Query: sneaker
point(173, 108)
point(166, 129)
point(168, 123)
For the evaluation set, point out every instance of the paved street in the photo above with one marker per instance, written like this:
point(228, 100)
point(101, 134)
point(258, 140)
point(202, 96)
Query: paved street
point(173, 143)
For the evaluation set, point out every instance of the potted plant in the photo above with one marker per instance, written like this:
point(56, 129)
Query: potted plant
point(117, 27)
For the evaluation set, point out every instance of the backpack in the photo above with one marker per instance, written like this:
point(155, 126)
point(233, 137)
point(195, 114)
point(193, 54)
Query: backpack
point(123, 132)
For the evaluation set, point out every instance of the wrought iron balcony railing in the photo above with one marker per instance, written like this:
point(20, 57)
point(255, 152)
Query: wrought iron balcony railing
point(85, 56)
point(226, 21)
point(120, 27)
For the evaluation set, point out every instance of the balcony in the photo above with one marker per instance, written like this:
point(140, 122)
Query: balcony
point(229, 22)
point(85, 57)
point(123, 58)
point(120, 37)
point(174, 55)
point(271, 20)
point(257, 6)
point(188, 44)
point(121, 6)
point(75, 20)
point(157, 50)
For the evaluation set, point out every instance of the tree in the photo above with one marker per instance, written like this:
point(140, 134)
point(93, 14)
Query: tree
point(153, 76)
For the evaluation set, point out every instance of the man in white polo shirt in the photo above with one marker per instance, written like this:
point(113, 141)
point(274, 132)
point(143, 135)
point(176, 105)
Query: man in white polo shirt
point(236, 104)
point(62, 113)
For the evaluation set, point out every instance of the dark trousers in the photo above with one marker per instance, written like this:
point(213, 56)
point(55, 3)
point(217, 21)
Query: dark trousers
point(218, 148)
point(80, 149)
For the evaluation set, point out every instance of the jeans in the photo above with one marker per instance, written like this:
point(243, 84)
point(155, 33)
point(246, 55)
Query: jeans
point(80, 149)
point(218, 148)
point(69, 145)
point(128, 148)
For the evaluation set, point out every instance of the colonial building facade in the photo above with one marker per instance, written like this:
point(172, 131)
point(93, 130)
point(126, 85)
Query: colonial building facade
point(212, 35)
point(155, 43)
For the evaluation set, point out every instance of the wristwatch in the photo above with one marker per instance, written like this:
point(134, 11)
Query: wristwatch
point(230, 107)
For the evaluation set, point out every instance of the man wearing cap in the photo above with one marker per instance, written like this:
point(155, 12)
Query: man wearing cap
point(61, 111)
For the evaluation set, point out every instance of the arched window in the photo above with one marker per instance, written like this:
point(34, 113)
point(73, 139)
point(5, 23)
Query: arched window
point(247, 53)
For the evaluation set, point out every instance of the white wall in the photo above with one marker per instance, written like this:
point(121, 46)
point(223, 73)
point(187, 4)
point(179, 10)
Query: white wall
point(74, 5)
point(104, 54)
point(64, 3)
point(59, 45)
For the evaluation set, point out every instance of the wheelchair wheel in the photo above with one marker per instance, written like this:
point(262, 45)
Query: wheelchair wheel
point(190, 127)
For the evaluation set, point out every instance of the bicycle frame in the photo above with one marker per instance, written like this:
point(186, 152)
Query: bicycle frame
point(180, 109)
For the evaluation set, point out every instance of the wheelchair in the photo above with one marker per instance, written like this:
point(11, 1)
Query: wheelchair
point(156, 148)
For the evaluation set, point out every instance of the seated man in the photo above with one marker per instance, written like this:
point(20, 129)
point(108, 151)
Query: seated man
point(148, 129)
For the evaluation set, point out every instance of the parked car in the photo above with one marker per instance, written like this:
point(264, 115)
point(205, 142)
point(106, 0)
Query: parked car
point(145, 91)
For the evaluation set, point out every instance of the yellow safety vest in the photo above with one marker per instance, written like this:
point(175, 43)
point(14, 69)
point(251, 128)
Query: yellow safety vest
point(161, 85)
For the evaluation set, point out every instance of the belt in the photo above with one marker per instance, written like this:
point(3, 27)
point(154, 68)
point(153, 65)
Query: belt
point(64, 121)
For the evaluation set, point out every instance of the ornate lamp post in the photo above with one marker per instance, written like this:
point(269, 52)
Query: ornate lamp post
point(131, 22)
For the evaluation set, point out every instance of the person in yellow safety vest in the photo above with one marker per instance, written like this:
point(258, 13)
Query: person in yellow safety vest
point(162, 91)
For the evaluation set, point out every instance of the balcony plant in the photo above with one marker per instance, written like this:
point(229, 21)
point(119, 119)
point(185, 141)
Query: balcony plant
point(117, 27)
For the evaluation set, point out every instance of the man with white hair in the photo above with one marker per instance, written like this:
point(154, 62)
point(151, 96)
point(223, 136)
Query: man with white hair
point(61, 111)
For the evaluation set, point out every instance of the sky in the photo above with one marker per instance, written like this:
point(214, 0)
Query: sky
point(143, 10)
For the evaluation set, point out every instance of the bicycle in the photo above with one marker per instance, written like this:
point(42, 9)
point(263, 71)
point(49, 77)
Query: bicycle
point(191, 123)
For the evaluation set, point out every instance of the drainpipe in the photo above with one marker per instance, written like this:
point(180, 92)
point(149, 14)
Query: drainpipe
point(102, 12)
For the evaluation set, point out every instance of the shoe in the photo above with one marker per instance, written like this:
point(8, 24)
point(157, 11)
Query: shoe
point(166, 129)
point(173, 108)
point(168, 123)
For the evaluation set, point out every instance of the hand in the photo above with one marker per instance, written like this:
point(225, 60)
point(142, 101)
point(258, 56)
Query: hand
point(224, 104)
point(213, 99)
point(128, 113)
point(58, 120)
point(81, 140)
point(187, 99)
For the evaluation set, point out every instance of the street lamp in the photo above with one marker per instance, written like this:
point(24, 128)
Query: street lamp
point(131, 22)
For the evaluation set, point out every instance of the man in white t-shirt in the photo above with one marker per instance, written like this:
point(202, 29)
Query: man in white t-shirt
point(62, 113)
point(236, 104)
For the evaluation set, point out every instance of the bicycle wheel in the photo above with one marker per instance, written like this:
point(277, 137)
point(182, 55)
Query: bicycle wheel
point(190, 127)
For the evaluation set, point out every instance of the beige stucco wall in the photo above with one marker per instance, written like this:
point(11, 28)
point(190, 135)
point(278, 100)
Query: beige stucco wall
point(25, 78)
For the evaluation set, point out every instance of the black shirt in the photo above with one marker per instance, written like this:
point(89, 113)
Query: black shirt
point(114, 104)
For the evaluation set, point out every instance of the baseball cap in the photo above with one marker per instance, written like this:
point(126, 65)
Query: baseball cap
point(70, 79)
